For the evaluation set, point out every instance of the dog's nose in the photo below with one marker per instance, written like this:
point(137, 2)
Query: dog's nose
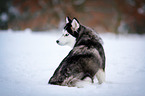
point(57, 41)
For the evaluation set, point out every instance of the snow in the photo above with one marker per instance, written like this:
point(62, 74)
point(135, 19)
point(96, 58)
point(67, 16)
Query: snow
point(28, 59)
point(4, 17)
point(140, 10)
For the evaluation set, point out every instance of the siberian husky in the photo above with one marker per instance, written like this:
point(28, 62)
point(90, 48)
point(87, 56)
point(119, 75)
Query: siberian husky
point(85, 61)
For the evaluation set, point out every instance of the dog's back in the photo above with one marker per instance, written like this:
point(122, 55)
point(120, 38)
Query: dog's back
point(92, 48)
point(92, 42)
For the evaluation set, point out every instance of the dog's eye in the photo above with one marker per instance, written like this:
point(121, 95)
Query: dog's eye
point(66, 34)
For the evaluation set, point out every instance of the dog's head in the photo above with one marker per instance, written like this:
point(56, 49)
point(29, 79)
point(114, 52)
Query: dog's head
point(70, 33)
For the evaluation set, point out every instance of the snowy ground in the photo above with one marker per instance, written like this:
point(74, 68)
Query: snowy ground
point(28, 60)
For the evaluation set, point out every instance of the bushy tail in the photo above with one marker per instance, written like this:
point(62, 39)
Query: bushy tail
point(100, 76)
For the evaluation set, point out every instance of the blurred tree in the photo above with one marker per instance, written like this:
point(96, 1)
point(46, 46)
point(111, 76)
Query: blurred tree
point(130, 13)
point(102, 15)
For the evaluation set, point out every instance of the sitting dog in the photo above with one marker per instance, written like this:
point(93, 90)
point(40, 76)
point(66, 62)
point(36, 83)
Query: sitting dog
point(86, 59)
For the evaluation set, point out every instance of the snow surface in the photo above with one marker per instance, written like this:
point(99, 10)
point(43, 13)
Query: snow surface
point(28, 60)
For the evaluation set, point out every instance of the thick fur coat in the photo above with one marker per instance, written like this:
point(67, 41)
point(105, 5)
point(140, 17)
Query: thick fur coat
point(85, 60)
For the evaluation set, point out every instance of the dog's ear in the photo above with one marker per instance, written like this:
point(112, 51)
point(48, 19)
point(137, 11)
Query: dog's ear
point(67, 20)
point(75, 24)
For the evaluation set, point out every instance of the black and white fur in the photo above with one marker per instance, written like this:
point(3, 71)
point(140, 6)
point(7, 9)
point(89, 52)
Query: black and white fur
point(85, 61)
